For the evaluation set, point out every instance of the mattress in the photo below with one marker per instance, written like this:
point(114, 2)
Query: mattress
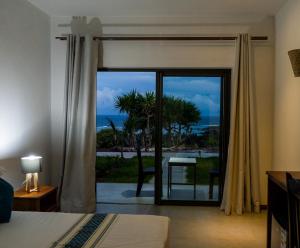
point(39, 230)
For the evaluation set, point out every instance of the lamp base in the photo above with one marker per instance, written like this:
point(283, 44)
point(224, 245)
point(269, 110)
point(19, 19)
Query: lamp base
point(33, 190)
point(32, 183)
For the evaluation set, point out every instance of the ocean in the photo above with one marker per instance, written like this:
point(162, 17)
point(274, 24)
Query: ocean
point(102, 122)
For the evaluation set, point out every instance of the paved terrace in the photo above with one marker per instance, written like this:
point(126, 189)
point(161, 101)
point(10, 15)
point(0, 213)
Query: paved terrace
point(125, 192)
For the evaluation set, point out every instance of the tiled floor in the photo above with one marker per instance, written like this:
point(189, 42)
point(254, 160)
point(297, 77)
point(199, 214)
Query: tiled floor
point(203, 227)
point(124, 193)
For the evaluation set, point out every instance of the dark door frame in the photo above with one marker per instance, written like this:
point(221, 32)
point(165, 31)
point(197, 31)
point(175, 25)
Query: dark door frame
point(225, 75)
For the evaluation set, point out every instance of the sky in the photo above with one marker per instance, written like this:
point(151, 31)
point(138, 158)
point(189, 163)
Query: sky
point(204, 92)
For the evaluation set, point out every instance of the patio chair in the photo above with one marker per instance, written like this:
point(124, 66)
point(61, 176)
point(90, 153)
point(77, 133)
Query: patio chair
point(142, 172)
point(293, 188)
point(213, 173)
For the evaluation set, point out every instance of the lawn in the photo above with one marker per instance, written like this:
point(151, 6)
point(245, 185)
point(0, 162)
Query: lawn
point(125, 170)
point(203, 167)
point(121, 170)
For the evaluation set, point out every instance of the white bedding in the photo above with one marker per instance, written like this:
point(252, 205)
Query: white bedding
point(39, 230)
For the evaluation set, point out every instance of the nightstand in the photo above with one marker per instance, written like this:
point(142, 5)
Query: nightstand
point(42, 201)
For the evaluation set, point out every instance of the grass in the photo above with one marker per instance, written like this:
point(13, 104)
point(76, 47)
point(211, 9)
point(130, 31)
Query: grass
point(116, 169)
point(121, 170)
point(202, 168)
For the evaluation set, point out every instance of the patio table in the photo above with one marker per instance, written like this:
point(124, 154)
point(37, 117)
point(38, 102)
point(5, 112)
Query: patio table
point(177, 161)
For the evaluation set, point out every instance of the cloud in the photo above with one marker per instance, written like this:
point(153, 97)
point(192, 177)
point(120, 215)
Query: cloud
point(112, 84)
point(105, 100)
point(192, 85)
point(206, 104)
point(204, 92)
point(141, 81)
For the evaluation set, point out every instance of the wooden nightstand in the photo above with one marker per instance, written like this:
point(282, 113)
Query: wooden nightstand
point(42, 201)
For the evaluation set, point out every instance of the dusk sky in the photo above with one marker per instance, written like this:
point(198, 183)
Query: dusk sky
point(204, 92)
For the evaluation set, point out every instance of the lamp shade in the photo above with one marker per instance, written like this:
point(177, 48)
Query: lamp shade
point(295, 61)
point(31, 164)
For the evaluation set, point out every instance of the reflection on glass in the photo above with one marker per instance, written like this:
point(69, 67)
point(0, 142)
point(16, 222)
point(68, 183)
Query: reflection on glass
point(190, 138)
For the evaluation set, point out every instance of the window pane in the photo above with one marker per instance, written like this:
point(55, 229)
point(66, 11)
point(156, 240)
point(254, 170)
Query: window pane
point(190, 138)
point(125, 115)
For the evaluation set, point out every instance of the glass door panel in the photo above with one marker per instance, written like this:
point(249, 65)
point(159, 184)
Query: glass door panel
point(191, 122)
point(125, 121)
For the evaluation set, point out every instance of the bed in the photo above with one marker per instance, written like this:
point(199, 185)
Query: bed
point(39, 230)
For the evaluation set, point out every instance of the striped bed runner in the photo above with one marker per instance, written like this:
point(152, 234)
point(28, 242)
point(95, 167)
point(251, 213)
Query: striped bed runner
point(87, 232)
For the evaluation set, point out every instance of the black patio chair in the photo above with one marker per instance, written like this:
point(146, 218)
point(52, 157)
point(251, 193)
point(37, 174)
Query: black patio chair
point(213, 173)
point(293, 188)
point(142, 172)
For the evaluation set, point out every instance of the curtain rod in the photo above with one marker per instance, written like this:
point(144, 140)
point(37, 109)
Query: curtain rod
point(175, 38)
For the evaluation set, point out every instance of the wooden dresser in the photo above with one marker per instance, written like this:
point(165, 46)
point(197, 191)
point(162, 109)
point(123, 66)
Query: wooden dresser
point(277, 200)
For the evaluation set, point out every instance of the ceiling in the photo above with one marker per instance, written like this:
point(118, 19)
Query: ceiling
point(147, 9)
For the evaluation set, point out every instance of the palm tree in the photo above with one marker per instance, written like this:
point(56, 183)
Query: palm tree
point(148, 112)
point(190, 116)
point(140, 109)
point(171, 114)
point(178, 114)
point(117, 136)
point(130, 103)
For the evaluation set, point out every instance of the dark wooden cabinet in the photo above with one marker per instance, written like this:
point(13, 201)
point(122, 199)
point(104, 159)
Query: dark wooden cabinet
point(42, 201)
point(277, 200)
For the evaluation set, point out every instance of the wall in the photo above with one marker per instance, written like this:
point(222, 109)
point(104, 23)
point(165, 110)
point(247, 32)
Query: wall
point(173, 54)
point(24, 86)
point(287, 90)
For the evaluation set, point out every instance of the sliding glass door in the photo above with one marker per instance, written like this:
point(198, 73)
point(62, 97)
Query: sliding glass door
point(162, 135)
point(192, 119)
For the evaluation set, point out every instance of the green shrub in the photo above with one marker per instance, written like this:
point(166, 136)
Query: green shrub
point(105, 138)
point(204, 165)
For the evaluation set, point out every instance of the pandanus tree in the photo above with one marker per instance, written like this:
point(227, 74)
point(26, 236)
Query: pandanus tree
point(178, 116)
point(171, 114)
point(118, 137)
point(140, 110)
point(129, 103)
point(148, 111)
point(190, 115)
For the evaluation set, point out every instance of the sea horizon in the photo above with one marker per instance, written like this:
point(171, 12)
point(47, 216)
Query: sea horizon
point(102, 121)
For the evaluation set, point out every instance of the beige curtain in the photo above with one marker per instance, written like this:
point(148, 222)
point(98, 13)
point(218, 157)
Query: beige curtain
point(77, 191)
point(241, 190)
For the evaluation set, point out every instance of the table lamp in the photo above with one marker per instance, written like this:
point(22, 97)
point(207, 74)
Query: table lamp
point(31, 166)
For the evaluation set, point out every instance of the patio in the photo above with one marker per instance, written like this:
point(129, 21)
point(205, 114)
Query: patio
point(124, 193)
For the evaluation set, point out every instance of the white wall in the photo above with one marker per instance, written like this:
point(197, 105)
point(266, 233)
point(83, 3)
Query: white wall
point(287, 90)
point(24, 86)
point(174, 54)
